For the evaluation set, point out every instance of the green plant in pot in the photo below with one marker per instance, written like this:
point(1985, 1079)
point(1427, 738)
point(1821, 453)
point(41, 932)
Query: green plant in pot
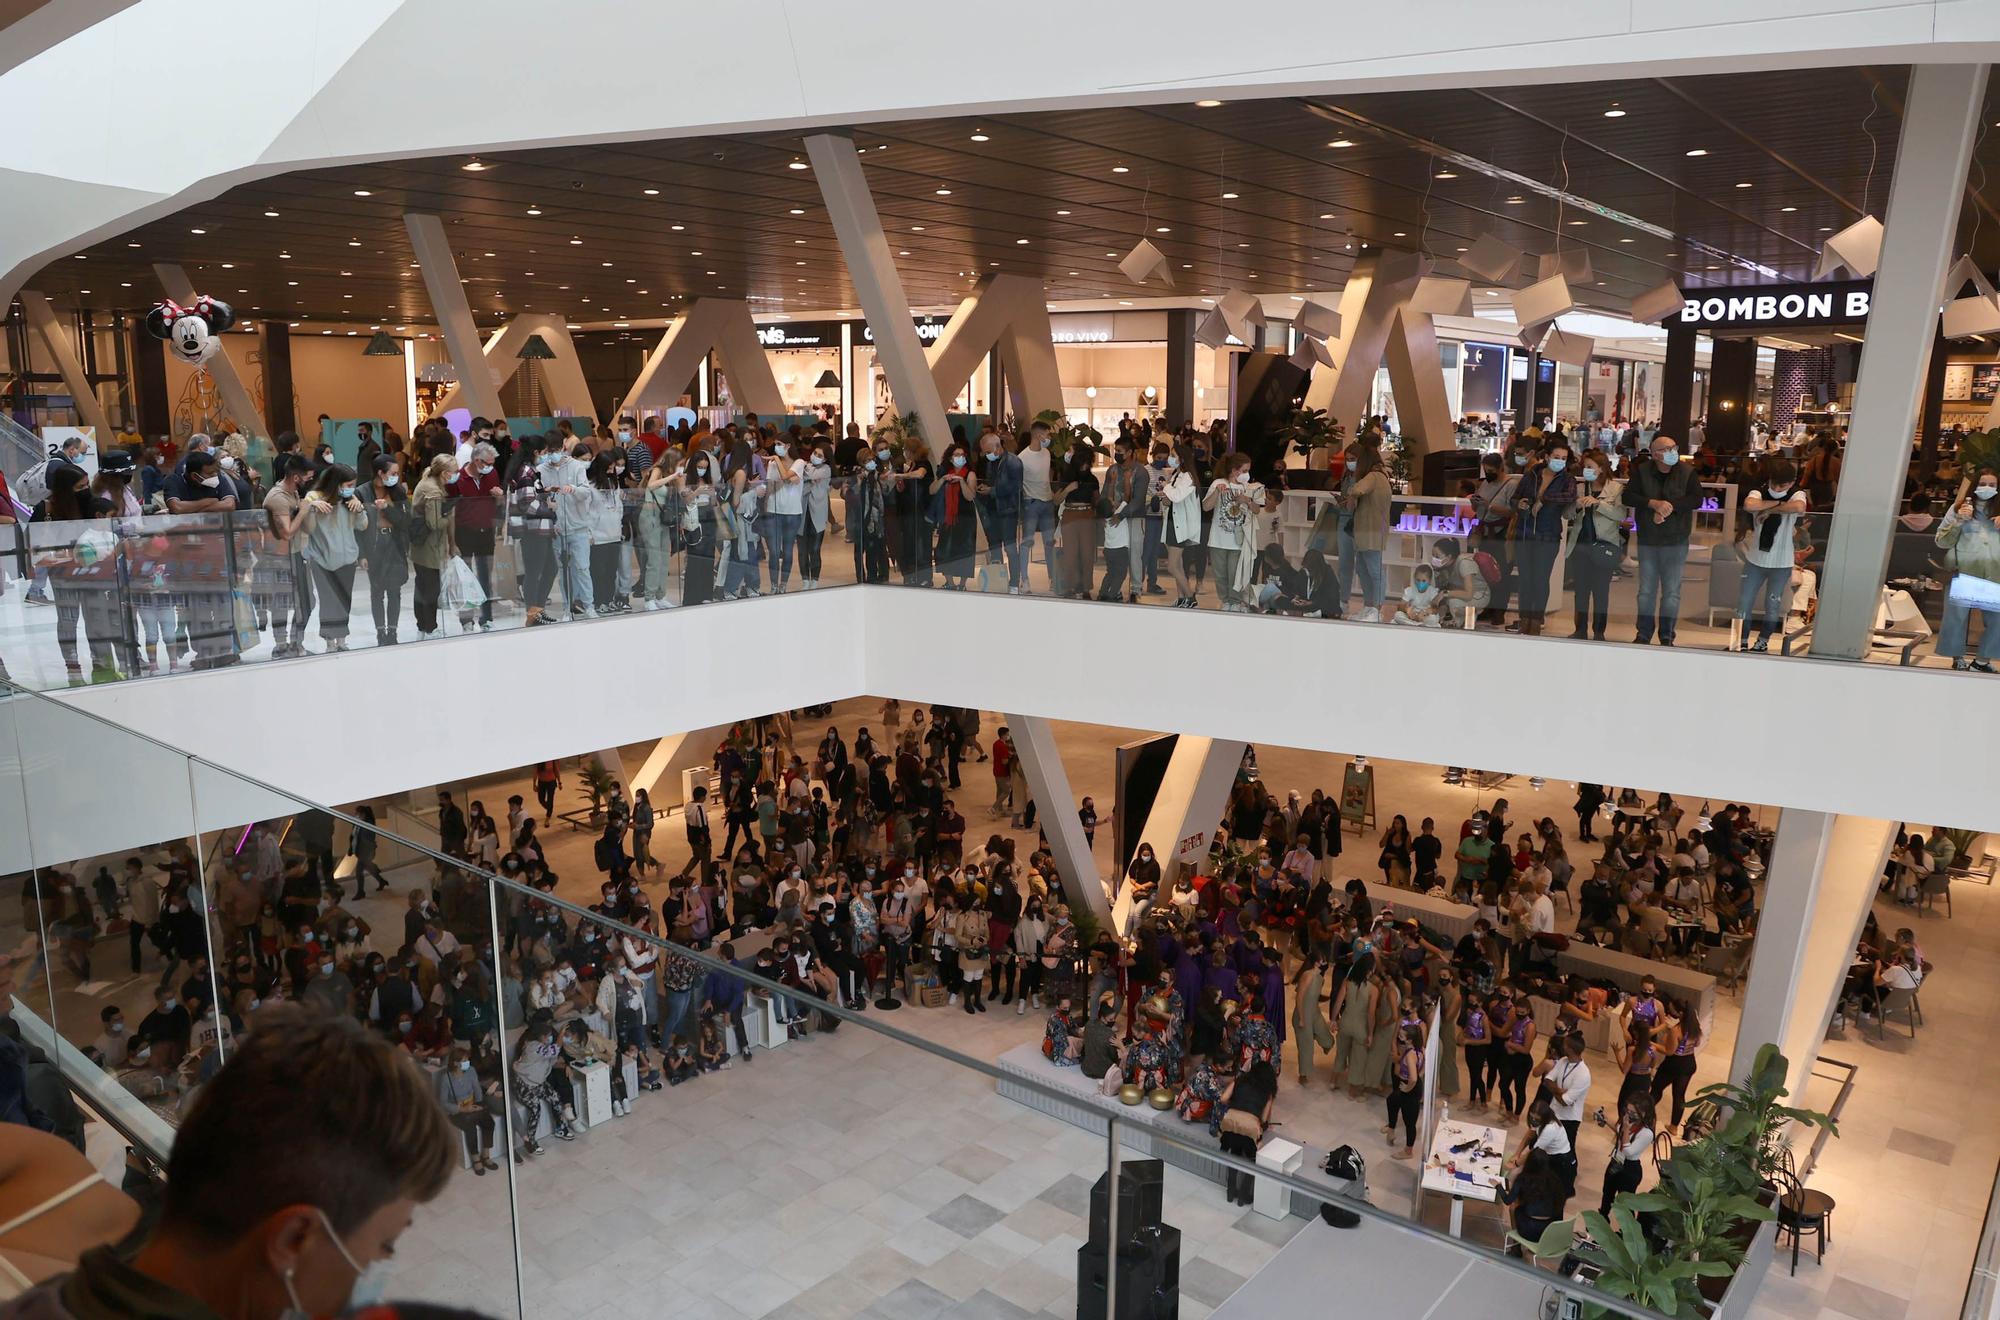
point(1753, 1139)
point(595, 783)
point(1698, 1208)
point(1065, 434)
point(1626, 1264)
point(900, 431)
point(1313, 434)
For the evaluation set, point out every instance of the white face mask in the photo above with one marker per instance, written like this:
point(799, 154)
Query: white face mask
point(782, 451)
point(211, 482)
point(228, 462)
point(392, 479)
point(624, 435)
point(1986, 492)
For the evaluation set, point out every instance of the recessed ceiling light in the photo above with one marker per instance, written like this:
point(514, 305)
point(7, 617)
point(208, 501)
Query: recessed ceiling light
point(916, 229)
point(1493, 293)
point(229, 265)
point(979, 137)
point(1207, 105)
point(1187, 265)
point(798, 210)
point(1699, 151)
point(1019, 242)
point(1788, 209)
point(576, 242)
point(798, 165)
point(475, 165)
point(695, 253)
point(355, 242)
point(607, 263)
point(1399, 234)
point(533, 211)
point(1626, 240)
point(1515, 201)
point(272, 215)
point(1465, 249)
point(1828, 229)
point(1242, 245)
point(131, 245)
point(363, 192)
point(1444, 174)
point(1745, 185)
point(197, 231)
point(1163, 229)
point(1340, 142)
point(1120, 169)
point(904, 253)
point(1579, 222)
point(942, 192)
point(798, 242)
point(292, 283)
point(677, 228)
point(1326, 215)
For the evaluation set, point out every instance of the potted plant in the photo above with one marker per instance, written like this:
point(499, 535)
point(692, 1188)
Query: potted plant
point(1699, 1209)
point(1755, 1136)
point(595, 783)
point(900, 431)
point(1064, 433)
point(1313, 435)
point(1625, 1262)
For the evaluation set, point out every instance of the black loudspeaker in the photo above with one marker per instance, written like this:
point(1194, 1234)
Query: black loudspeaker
point(1149, 1277)
point(1141, 1193)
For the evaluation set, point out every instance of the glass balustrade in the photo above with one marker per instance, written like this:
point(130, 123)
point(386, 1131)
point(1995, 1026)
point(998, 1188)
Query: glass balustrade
point(112, 598)
point(684, 1118)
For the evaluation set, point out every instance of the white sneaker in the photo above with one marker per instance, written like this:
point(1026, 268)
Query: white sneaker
point(1013, 591)
point(951, 1000)
point(1370, 615)
point(1020, 1007)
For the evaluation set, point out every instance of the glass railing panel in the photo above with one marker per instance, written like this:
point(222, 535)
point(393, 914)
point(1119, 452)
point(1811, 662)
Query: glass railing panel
point(304, 912)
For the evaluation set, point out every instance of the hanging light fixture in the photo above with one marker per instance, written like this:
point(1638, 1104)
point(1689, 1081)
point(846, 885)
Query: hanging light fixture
point(827, 381)
point(536, 349)
point(382, 344)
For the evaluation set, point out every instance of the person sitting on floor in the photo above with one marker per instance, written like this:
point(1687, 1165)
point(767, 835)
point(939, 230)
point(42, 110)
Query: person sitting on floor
point(1061, 1045)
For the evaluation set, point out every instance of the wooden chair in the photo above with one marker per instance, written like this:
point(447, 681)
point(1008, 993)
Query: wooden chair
point(1936, 885)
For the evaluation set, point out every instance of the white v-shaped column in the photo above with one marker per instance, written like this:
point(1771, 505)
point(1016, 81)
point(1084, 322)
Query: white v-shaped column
point(567, 391)
point(1378, 326)
point(1008, 315)
point(476, 388)
point(242, 410)
point(721, 325)
point(42, 320)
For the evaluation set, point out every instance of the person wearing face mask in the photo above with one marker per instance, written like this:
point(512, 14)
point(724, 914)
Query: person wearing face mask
point(1598, 545)
point(1039, 476)
point(331, 522)
point(1493, 504)
point(997, 496)
point(784, 510)
point(743, 563)
point(1971, 542)
point(1179, 495)
point(1236, 501)
point(1764, 540)
point(661, 508)
point(566, 480)
point(384, 538)
point(1663, 494)
point(909, 493)
point(283, 574)
point(462, 1096)
point(1543, 501)
point(703, 528)
point(206, 609)
point(1080, 527)
point(607, 530)
point(531, 522)
point(1121, 507)
point(817, 513)
point(282, 1200)
point(477, 495)
point(431, 540)
point(952, 513)
point(866, 495)
point(1366, 498)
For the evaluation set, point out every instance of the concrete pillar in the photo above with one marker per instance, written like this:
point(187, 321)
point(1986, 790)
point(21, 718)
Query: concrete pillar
point(1376, 290)
point(1180, 366)
point(1009, 315)
point(1677, 382)
point(281, 412)
point(661, 774)
point(1817, 894)
point(152, 409)
point(721, 325)
point(1055, 811)
point(877, 286)
point(1193, 793)
point(478, 388)
point(242, 410)
point(1416, 378)
point(42, 320)
point(1732, 380)
point(1919, 234)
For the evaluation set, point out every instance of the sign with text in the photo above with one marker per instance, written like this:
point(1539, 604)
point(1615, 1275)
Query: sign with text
point(1776, 306)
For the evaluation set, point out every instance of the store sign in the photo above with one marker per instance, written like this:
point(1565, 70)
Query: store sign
point(804, 334)
point(1777, 306)
point(1081, 329)
point(928, 330)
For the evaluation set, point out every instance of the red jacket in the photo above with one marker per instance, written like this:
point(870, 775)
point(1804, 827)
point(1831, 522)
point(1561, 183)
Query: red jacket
point(477, 509)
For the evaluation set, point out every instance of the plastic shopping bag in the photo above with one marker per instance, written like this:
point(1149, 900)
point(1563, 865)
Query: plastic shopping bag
point(460, 587)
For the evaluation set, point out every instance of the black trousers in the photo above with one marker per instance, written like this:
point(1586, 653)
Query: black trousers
point(809, 541)
point(1242, 1186)
point(1514, 1069)
point(1674, 1073)
point(1404, 1107)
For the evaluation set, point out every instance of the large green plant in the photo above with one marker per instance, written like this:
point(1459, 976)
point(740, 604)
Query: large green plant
point(1065, 434)
point(594, 782)
point(1626, 1264)
point(1978, 449)
point(1698, 1206)
point(1310, 429)
point(1757, 1132)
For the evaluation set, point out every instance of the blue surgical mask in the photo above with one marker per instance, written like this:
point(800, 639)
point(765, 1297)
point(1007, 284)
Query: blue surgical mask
point(1986, 492)
point(958, 460)
point(870, 465)
point(1671, 457)
point(1558, 464)
point(347, 492)
point(1589, 474)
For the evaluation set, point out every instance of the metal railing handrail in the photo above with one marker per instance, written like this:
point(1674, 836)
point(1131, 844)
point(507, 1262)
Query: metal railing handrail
point(1401, 1223)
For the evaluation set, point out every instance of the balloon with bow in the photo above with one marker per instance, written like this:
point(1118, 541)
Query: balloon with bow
point(191, 331)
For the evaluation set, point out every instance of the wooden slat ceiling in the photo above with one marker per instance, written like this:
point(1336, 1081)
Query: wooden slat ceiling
point(731, 217)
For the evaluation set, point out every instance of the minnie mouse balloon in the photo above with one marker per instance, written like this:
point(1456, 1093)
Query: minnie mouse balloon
point(191, 331)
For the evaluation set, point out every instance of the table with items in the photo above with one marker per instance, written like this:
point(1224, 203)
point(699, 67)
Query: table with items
point(1465, 1161)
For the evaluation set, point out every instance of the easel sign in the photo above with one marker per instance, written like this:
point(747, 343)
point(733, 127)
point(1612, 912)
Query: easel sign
point(1357, 797)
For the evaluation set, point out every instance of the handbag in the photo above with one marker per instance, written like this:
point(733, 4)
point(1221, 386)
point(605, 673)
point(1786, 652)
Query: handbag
point(1242, 1123)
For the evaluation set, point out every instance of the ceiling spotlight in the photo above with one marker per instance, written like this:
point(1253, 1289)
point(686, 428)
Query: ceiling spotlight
point(533, 211)
point(798, 165)
point(1340, 142)
point(197, 231)
point(1120, 169)
point(229, 265)
point(942, 192)
point(1062, 212)
point(1699, 151)
point(1019, 242)
point(1515, 201)
point(576, 242)
point(355, 242)
point(272, 215)
point(1207, 105)
point(1579, 222)
point(1444, 174)
point(1744, 185)
point(363, 192)
point(1163, 229)
point(1788, 209)
point(475, 165)
point(1614, 112)
point(916, 229)
point(980, 137)
point(650, 192)
point(1626, 240)
point(1399, 234)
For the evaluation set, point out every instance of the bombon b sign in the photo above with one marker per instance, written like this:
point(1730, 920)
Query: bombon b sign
point(1776, 306)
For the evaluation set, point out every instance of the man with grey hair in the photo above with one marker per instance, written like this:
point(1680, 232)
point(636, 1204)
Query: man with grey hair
point(477, 497)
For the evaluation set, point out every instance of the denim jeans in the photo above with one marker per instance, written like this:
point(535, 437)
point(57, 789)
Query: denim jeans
point(1953, 630)
point(1039, 516)
point(1763, 597)
point(572, 562)
point(1343, 568)
point(740, 574)
point(1151, 552)
point(1003, 536)
point(1534, 563)
point(674, 1006)
point(1369, 562)
point(1660, 586)
point(781, 532)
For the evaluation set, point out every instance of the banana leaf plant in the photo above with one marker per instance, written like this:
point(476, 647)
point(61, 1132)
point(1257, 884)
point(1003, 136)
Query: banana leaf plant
point(595, 782)
point(1752, 1141)
point(1065, 434)
point(1697, 1207)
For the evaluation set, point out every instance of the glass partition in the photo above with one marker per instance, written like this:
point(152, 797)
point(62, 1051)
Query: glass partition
point(708, 1121)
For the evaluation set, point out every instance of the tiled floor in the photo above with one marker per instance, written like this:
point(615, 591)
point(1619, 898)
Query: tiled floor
point(851, 1175)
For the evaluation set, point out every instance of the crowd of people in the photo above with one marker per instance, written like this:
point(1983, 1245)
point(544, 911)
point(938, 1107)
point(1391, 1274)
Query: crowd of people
point(645, 517)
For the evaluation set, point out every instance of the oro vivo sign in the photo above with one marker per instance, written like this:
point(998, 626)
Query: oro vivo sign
point(1776, 306)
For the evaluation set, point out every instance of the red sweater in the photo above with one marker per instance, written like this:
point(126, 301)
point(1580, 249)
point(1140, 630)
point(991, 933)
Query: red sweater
point(477, 509)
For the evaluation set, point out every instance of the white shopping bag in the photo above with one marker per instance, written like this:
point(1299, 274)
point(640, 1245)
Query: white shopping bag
point(460, 587)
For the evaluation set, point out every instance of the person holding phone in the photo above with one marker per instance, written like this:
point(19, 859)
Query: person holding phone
point(1631, 1139)
point(1968, 532)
